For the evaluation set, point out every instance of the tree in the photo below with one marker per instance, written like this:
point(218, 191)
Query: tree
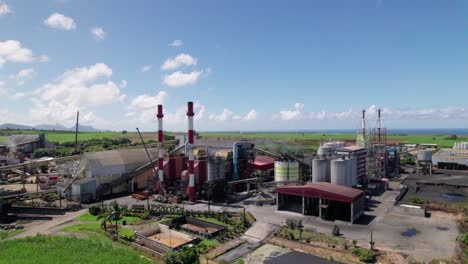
point(124, 131)
point(172, 257)
point(105, 217)
point(43, 168)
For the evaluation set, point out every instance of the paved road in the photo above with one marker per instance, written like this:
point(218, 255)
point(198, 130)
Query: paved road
point(46, 227)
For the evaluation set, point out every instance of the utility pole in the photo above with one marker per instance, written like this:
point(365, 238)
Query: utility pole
point(76, 132)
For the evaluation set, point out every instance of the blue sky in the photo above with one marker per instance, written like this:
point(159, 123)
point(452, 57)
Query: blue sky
point(248, 65)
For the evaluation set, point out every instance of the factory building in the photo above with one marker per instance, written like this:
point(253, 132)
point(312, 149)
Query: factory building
point(23, 144)
point(454, 159)
point(360, 153)
point(324, 200)
point(340, 165)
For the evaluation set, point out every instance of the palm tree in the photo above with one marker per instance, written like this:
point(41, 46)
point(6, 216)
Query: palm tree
point(106, 216)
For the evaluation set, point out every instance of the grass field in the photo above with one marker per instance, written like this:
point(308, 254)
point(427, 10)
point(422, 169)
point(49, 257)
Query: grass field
point(305, 140)
point(91, 218)
point(57, 249)
point(312, 140)
point(69, 136)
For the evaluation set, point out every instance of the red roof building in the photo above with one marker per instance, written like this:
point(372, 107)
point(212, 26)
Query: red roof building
point(263, 163)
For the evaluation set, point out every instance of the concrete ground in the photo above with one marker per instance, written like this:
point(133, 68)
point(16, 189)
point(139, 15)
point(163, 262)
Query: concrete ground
point(435, 236)
point(270, 254)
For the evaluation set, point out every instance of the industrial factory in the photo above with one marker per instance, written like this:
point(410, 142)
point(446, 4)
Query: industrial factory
point(330, 184)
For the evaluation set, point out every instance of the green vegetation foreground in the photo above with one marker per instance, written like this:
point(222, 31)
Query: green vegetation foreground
point(57, 249)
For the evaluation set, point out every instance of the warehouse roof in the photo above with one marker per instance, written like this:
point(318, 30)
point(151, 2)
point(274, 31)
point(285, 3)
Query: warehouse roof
point(131, 159)
point(323, 190)
point(16, 140)
point(263, 163)
point(351, 148)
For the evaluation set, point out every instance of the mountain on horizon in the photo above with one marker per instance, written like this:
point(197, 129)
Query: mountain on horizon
point(57, 127)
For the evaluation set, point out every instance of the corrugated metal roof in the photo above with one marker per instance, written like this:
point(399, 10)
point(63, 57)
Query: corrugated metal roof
point(323, 190)
point(15, 140)
point(351, 148)
point(131, 159)
point(263, 162)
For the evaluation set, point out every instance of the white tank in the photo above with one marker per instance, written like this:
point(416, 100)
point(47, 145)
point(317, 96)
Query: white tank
point(286, 171)
point(321, 170)
point(212, 170)
point(324, 151)
point(338, 172)
point(425, 155)
point(215, 169)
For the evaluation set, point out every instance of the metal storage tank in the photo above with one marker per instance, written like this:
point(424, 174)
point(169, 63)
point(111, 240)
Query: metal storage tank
point(221, 173)
point(323, 151)
point(286, 171)
point(215, 169)
point(425, 155)
point(320, 170)
point(338, 172)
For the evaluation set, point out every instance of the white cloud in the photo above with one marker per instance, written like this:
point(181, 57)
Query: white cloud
point(146, 68)
point(143, 107)
point(23, 76)
point(59, 21)
point(12, 51)
point(251, 116)
point(4, 9)
point(176, 43)
point(75, 89)
point(18, 95)
point(228, 115)
point(123, 84)
point(98, 33)
point(178, 78)
point(292, 114)
point(43, 58)
point(179, 61)
point(407, 114)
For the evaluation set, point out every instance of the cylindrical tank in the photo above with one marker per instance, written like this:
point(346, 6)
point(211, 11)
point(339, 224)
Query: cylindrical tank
point(338, 172)
point(286, 171)
point(320, 170)
point(323, 151)
point(221, 173)
point(425, 155)
point(212, 170)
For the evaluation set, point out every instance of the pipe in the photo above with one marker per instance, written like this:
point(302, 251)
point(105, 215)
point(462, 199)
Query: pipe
point(191, 170)
point(160, 116)
point(235, 154)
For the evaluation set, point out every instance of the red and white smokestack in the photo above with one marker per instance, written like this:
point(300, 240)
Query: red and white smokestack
point(191, 170)
point(160, 148)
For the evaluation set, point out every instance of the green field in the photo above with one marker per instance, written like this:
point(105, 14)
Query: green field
point(92, 218)
point(304, 140)
point(58, 249)
point(69, 136)
point(312, 140)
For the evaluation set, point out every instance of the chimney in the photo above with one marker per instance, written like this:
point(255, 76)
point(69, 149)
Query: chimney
point(160, 148)
point(191, 170)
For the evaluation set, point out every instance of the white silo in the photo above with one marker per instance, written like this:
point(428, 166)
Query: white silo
point(212, 170)
point(321, 170)
point(338, 172)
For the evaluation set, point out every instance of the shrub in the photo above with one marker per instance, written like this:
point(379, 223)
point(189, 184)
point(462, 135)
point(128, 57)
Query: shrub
point(463, 238)
point(292, 236)
point(354, 243)
point(365, 255)
point(416, 199)
point(94, 210)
